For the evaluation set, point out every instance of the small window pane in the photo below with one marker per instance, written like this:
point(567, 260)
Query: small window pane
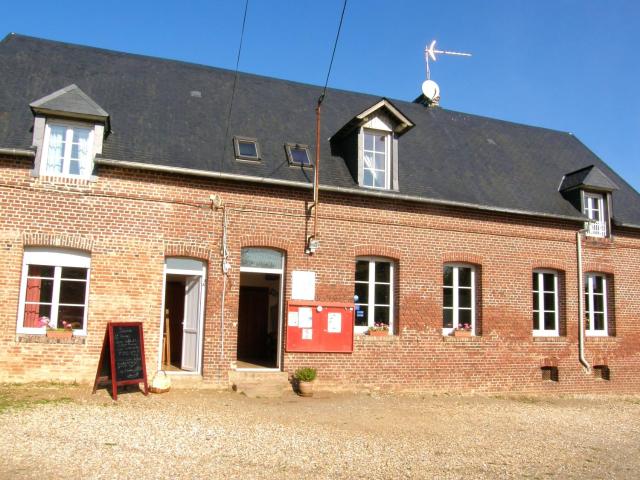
point(464, 277)
point(39, 290)
point(73, 316)
point(362, 315)
point(247, 149)
point(383, 272)
point(80, 134)
point(74, 167)
point(362, 270)
point(534, 282)
point(548, 282)
point(464, 317)
point(379, 144)
point(448, 297)
point(72, 292)
point(598, 320)
point(362, 291)
point(381, 160)
point(260, 258)
point(299, 155)
point(549, 321)
point(598, 303)
point(464, 298)
point(447, 320)
point(597, 284)
point(34, 312)
point(72, 272)
point(550, 301)
point(40, 271)
point(368, 178)
point(536, 297)
point(536, 320)
point(368, 141)
point(382, 294)
point(448, 276)
point(381, 315)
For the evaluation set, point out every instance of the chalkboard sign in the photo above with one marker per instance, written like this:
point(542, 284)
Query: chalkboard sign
point(122, 357)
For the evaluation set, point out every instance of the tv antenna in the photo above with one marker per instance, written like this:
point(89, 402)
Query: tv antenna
point(430, 89)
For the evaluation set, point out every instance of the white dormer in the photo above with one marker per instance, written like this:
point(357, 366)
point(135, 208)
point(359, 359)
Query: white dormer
point(68, 133)
point(369, 145)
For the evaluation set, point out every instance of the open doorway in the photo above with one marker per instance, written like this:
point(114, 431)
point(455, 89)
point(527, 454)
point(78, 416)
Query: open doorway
point(260, 309)
point(183, 316)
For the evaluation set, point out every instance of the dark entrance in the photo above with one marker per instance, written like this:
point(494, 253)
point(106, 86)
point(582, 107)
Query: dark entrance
point(258, 314)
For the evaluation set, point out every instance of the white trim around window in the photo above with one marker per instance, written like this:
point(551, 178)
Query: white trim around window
point(374, 285)
point(68, 149)
point(594, 209)
point(595, 302)
point(458, 297)
point(376, 159)
point(546, 305)
point(54, 284)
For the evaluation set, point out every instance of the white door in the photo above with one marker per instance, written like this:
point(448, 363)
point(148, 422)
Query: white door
point(190, 337)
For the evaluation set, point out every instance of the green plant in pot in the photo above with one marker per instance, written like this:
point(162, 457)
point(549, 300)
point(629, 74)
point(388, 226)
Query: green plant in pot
point(304, 378)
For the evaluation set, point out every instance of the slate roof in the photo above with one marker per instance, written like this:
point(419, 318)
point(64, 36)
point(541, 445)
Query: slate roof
point(447, 156)
point(590, 177)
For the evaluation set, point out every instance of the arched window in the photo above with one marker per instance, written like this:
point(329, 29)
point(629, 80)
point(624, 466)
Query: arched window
point(546, 304)
point(374, 285)
point(459, 298)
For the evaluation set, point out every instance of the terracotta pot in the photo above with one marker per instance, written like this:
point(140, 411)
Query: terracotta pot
point(462, 333)
point(305, 389)
point(59, 333)
point(378, 333)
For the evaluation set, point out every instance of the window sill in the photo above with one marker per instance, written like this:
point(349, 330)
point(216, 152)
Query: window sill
point(599, 338)
point(31, 338)
point(373, 338)
point(472, 338)
point(554, 339)
point(62, 180)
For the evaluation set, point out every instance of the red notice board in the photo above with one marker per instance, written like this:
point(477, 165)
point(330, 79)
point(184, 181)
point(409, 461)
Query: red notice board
point(319, 327)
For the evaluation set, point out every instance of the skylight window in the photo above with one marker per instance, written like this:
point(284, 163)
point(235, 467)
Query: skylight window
point(246, 148)
point(298, 154)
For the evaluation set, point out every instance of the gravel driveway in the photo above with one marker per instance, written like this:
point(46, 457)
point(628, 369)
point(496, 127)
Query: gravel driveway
point(65, 432)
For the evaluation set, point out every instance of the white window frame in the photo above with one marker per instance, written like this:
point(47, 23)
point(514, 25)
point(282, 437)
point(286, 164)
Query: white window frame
point(456, 297)
point(69, 126)
point(387, 160)
point(589, 304)
point(594, 202)
point(541, 307)
point(371, 283)
point(57, 258)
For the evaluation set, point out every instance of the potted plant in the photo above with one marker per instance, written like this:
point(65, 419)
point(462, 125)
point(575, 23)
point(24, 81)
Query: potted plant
point(304, 378)
point(463, 330)
point(379, 330)
point(53, 331)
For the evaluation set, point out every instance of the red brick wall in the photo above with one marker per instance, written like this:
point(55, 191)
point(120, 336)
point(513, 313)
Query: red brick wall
point(130, 220)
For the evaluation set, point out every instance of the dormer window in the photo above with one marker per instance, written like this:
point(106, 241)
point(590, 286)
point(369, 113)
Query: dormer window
point(590, 191)
point(369, 144)
point(376, 159)
point(593, 208)
point(68, 131)
point(67, 150)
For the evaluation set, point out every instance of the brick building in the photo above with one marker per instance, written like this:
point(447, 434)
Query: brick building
point(486, 247)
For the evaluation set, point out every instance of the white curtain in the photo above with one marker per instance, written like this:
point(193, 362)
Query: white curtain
point(56, 150)
point(83, 154)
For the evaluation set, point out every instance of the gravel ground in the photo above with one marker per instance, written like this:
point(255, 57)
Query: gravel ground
point(65, 432)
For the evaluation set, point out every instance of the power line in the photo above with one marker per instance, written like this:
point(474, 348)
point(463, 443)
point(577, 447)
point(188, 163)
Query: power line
point(335, 45)
point(235, 83)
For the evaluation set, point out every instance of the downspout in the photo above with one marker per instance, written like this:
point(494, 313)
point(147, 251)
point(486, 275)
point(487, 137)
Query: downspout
point(312, 243)
point(581, 356)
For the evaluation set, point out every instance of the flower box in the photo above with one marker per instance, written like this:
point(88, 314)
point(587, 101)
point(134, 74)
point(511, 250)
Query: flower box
point(378, 333)
point(462, 333)
point(60, 333)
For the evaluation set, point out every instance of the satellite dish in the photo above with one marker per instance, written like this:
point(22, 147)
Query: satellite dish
point(430, 89)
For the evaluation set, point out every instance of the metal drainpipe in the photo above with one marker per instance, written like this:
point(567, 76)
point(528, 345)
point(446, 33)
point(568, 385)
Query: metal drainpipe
point(582, 358)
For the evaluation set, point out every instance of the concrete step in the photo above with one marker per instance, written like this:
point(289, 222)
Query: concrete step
point(260, 384)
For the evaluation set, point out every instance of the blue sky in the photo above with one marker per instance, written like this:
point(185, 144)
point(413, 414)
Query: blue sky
point(570, 65)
